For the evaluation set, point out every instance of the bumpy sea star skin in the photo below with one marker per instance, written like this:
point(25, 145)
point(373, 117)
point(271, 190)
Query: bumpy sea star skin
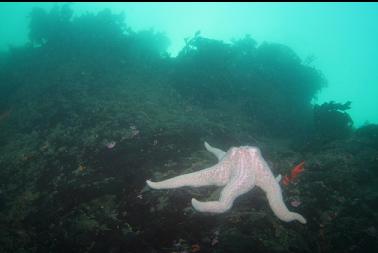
point(238, 170)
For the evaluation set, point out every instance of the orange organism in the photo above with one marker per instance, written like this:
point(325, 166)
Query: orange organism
point(294, 174)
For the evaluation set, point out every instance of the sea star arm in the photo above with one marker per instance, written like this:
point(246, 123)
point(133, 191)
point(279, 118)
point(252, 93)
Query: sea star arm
point(274, 195)
point(215, 175)
point(237, 186)
point(215, 151)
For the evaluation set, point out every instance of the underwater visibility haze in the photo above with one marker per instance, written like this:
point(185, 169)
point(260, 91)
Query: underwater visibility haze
point(188, 127)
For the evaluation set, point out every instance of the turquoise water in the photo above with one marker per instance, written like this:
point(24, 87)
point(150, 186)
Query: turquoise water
point(340, 38)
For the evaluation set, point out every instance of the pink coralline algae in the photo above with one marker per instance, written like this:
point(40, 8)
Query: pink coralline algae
point(295, 203)
point(111, 144)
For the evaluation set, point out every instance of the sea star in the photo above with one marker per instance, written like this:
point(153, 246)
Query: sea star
point(239, 170)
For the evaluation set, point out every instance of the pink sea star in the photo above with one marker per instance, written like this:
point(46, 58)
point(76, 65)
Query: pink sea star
point(238, 170)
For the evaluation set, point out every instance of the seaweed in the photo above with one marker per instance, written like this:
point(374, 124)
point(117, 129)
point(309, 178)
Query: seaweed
point(332, 121)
